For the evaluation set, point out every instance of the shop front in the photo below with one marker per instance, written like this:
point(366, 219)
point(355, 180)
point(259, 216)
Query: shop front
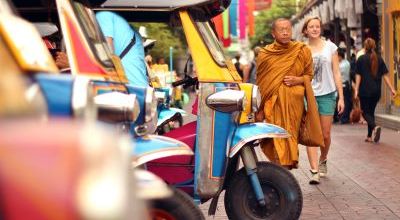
point(391, 53)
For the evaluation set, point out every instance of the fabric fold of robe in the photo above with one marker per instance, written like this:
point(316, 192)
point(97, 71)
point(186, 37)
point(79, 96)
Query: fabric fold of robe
point(284, 105)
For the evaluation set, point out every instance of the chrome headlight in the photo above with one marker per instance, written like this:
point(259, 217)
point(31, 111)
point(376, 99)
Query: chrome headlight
point(117, 107)
point(227, 101)
point(83, 105)
point(150, 105)
point(255, 99)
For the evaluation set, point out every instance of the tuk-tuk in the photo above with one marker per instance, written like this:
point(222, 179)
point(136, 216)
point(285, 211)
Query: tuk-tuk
point(89, 56)
point(61, 167)
point(53, 169)
point(225, 130)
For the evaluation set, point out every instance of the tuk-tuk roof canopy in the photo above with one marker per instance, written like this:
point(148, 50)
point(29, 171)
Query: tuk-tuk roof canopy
point(160, 4)
point(209, 8)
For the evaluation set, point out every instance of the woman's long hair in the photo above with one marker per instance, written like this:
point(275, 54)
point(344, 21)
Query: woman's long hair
point(369, 45)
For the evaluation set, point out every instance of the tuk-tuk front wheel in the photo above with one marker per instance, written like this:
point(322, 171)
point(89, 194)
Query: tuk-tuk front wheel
point(178, 206)
point(284, 200)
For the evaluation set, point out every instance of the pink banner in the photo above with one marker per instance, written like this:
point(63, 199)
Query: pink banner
point(242, 19)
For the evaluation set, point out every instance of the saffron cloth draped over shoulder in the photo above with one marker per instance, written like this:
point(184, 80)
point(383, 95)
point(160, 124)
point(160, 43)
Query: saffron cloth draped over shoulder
point(284, 105)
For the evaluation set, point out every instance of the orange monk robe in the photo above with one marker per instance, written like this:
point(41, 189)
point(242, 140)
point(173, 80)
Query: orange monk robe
point(283, 105)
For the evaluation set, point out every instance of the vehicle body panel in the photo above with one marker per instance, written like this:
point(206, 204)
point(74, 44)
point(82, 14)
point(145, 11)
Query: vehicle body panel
point(250, 132)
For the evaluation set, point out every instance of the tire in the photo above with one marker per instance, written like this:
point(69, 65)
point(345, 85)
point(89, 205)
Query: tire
point(179, 206)
point(282, 192)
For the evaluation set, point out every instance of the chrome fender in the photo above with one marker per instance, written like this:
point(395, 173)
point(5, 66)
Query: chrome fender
point(168, 113)
point(152, 147)
point(246, 133)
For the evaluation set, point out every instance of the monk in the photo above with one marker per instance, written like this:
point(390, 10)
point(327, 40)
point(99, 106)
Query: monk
point(284, 71)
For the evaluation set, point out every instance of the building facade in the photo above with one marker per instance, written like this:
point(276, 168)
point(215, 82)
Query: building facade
point(390, 38)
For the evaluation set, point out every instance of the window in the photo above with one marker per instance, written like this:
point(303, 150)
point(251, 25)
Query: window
point(212, 42)
point(93, 34)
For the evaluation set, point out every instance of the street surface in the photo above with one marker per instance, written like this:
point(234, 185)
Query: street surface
point(363, 179)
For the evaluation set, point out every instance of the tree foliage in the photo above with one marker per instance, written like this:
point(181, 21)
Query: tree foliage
point(166, 37)
point(279, 9)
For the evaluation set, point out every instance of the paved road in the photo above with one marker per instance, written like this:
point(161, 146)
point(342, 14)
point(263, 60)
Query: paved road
point(363, 180)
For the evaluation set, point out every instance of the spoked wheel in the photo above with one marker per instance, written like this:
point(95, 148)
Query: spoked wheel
point(178, 206)
point(284, 200)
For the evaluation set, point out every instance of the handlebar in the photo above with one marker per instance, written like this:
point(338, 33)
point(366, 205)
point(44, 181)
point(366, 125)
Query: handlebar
point(186, 82)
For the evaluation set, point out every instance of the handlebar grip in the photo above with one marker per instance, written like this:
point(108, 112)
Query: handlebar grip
point(187, 80)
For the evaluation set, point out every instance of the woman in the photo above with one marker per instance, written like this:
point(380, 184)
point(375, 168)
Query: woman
point(326, 84)
point(370, 69)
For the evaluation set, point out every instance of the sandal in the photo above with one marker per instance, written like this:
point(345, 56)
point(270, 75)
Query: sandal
point(377, 134)
point(369, 140)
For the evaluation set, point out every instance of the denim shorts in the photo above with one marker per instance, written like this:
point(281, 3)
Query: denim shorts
point(326, 103)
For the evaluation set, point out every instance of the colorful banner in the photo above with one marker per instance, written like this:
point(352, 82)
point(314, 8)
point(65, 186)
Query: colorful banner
point(233, 14)
point(226, 36)
point(219, 26)
point(225, 23)
point(251, 8)
point(242, 19)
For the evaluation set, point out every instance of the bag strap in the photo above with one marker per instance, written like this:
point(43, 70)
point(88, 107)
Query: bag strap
point(128, 47)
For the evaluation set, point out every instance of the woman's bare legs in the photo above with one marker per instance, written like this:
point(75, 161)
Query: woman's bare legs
point(312, 153)
point(326, 125)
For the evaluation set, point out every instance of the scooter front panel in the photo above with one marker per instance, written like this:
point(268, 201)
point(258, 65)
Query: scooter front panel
point(57, 90)
point(140, 93)
point(214, 132)
point(102, 87)
point(246, 133)
point(152, 147)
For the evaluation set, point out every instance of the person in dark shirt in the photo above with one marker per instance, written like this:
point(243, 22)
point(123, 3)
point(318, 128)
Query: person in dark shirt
point(239, 67)
point(370, 70)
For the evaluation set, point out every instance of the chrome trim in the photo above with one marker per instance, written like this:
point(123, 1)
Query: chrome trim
point(151, 105)
point(206, 186)
point(82, 103)
point(36, 100)
point(117, 107)
point(227, 101)
point(150, 186)
point(255, 99)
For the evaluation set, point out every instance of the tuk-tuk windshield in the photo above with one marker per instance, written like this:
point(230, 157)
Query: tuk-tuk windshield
point(212, 42)
point(95, 38)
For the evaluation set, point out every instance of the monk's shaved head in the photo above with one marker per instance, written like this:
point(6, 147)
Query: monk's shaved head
point(282, 30)
point(273, 25)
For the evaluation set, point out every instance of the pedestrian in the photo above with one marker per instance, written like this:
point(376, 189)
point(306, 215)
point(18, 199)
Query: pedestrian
point(238, 66)
point(251, 73)
point(344, 67)
point(284, 70)
point(126, 43)
point(370, 69)
point(326, 84)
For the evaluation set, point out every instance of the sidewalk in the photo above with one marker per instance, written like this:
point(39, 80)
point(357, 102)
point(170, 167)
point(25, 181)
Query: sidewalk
point(363, 179)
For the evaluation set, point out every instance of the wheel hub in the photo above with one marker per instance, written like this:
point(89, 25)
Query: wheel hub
point(272, 200)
